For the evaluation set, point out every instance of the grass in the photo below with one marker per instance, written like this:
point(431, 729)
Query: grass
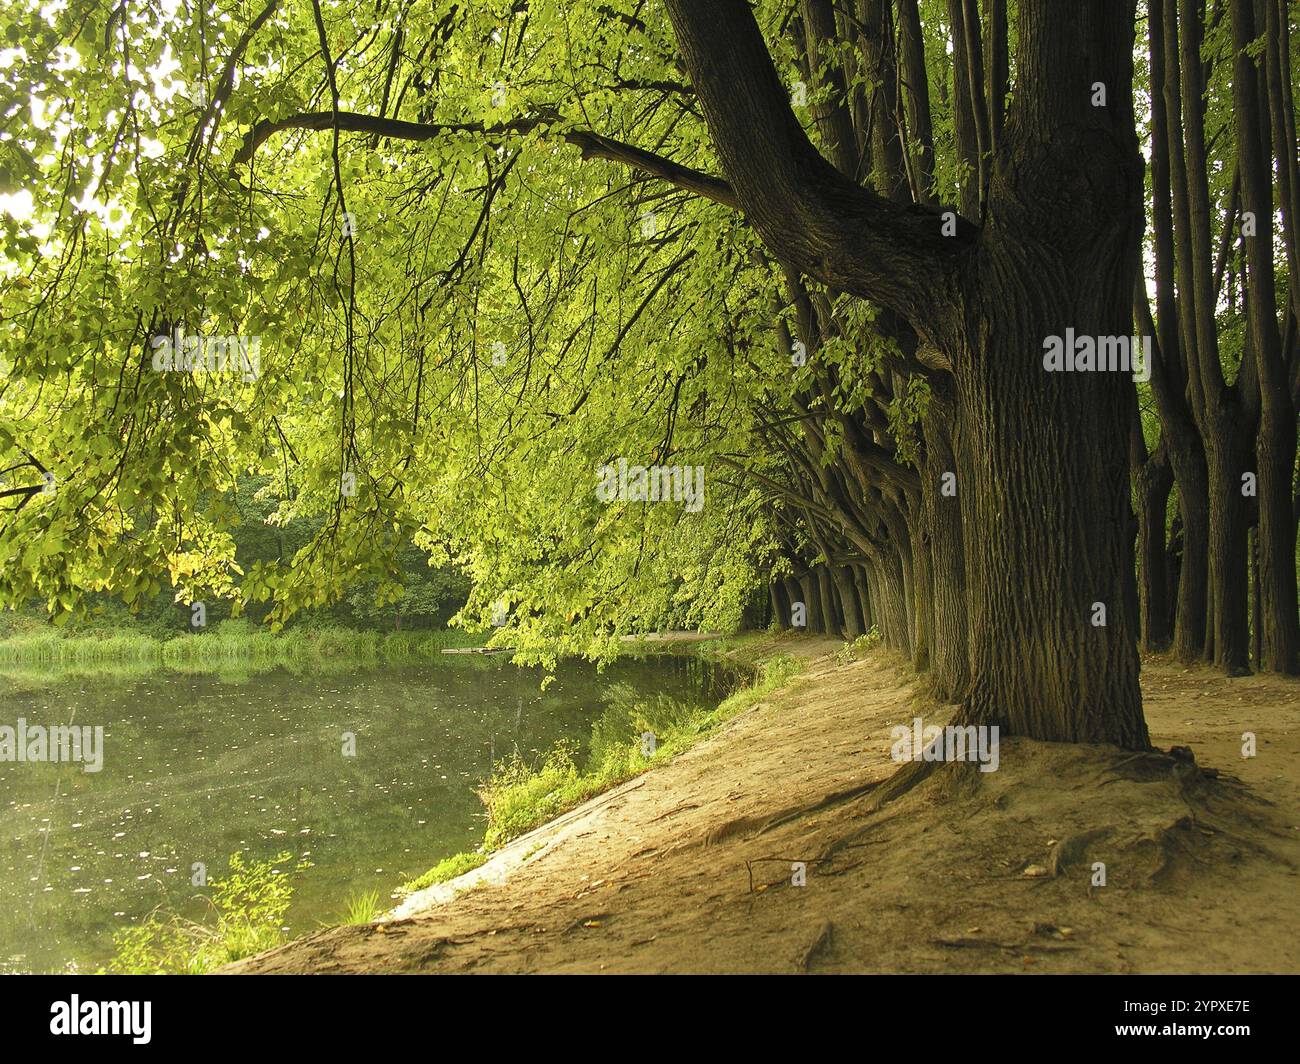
point(249, 901)
point(519, 797)
point(235, 641)
point(448, 868)
point(851, 652)
point(362, 908)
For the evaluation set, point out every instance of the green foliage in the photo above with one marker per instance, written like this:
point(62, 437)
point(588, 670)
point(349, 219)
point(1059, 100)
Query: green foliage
point(519, 797)
point(231, 641)
point(448, 868)
point(378, 346)
point(905, 416)
point(859, 647)
point(248, 906)
point(362, 908)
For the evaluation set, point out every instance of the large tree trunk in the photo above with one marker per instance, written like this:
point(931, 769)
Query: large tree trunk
point(916, 93)
point(831, 623)
point(950, 655)
point(864, 597)
point(1044, 476)
point(1221, 417)
point(1175, 330)
point(848, 596)
point(1048, 483)
point(1048, 451)
point(794, 594)
point(1227, 458)
point(968, 111)
point(922, 601)
point(891, 601)
point(812, 599)
point(1192, 605)
point(780, 605)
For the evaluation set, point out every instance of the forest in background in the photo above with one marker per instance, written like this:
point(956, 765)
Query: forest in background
point(428, 599)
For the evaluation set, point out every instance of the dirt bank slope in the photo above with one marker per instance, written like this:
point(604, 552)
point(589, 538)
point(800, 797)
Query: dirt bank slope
point(688, 868)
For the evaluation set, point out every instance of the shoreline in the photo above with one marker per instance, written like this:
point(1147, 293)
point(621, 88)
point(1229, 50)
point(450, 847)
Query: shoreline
point(686, 868)
point(754, 651)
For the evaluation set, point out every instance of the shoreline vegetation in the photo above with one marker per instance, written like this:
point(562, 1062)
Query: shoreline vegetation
point(230, 641)
point(518, 798)
point(691, 868)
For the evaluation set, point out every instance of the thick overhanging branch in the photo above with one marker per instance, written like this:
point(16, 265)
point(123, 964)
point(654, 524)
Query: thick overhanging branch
point(808, 213)
point(591, 145)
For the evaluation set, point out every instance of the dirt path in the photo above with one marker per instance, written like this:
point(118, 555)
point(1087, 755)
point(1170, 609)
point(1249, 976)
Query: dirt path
point(1201, 874)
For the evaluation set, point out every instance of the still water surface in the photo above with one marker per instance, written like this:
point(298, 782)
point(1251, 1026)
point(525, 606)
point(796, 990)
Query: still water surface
point(197, 766)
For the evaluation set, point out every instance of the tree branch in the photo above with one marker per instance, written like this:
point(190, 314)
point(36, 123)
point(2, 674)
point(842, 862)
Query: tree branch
point(807, 213)
point(591, 145)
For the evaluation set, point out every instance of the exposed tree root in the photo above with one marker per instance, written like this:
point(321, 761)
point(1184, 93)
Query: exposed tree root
point(820, 942)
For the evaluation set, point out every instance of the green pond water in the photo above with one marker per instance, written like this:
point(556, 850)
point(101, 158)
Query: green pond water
point(197, 766)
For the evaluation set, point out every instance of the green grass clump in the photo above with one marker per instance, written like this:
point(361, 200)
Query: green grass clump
point(448, 868)
point(850, 652)
point(249, 902)
point(362, 908)
point(519, 797)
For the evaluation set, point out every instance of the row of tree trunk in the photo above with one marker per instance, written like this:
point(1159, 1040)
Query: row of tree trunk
point(1220, 585)
point(937, 483)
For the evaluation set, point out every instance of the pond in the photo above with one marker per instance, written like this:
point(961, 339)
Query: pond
point(197, 766)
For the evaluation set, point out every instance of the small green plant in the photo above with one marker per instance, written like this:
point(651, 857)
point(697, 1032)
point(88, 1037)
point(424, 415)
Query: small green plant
point(519, 797)
point(448, 868)
point(249, 904)
point(860, 646)
point(362, 908)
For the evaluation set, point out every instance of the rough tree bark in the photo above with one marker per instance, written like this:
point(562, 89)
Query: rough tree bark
point(1170, 374)
point(1046, 453)
point(1275, 438)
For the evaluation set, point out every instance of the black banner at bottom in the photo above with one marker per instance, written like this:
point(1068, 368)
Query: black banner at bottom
point(1228, 1014)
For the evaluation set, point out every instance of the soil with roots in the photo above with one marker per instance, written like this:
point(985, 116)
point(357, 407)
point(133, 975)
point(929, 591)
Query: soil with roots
point(690, 867)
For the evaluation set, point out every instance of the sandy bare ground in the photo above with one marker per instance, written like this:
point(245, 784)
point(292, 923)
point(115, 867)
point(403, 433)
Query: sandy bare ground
point(688, 868)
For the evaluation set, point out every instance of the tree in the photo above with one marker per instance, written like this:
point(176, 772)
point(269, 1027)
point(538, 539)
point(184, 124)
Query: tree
point(813, 252)
point(1045, 471)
